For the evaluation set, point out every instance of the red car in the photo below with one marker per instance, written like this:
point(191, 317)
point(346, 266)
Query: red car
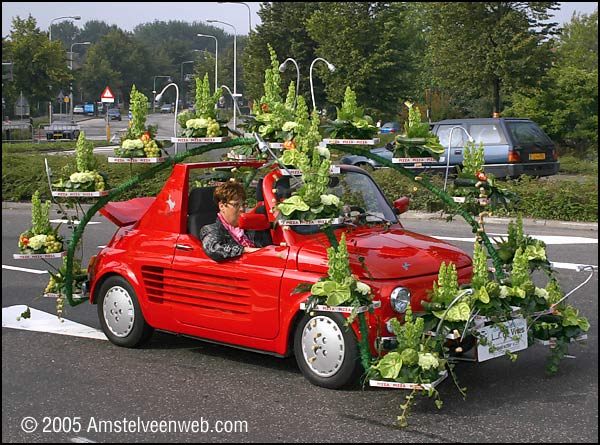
point(154, 273)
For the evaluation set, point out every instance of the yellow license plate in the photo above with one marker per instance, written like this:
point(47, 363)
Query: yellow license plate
point(58, 135)
point(537, 156)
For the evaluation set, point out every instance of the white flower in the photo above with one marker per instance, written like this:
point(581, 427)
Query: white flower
point(428, 361)
point(289, 126)
point(196, 123)
point(38, 241)
point(363, 288)
point(82, 177)
point(324, 151)
point(132, 144)
point(541, 292)
point(330, 200)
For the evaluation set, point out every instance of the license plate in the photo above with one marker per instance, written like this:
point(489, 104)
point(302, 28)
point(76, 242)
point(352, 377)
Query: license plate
point(511, 337)
point(537, 156)
point(58, 135)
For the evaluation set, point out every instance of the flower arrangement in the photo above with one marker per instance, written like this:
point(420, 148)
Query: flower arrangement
point(41, 237)
point(86, 178)
point(351, 122)
point(203, 122)
point(417, 141)
point(415, 360)
point(273, 118)
point(311, 200)
point(139, 141)
point(340, 287)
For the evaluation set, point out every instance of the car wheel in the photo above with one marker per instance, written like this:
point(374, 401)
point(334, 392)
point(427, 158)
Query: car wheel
point(76, 134)
point(120, 314)
point(327, 351)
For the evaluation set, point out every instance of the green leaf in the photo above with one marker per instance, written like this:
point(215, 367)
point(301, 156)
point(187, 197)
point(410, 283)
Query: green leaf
point(390, 365)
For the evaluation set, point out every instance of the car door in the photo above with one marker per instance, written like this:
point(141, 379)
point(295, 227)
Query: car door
point(239, 296)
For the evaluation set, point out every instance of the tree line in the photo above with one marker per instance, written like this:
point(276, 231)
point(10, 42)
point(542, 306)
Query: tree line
point(469, 59)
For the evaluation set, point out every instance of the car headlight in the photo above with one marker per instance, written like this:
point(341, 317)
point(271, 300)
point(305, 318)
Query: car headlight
point(400, 299)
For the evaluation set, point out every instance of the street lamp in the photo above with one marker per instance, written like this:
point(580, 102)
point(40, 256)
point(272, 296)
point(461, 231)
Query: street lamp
point(234, 96)
point(249, 14)
point(72, 17)
point(282, 68)
point(331, 69)
point(449, 148)
point(154, 91)
point(71, 69)
point(159, 97)
point(216, 55)
point(234, 52)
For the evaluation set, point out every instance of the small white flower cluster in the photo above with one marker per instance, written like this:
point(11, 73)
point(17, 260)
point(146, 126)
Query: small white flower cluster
point(324, 152)
point(330, 200)
point(38, 241)
point(428, 361)
point(197, 123)
point(363, 288)
point(82, 177)
point(132, 144)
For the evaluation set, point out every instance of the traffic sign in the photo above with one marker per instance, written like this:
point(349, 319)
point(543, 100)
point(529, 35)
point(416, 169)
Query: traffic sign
point(107, 96)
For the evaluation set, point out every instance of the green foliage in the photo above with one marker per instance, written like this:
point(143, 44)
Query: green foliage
point(40, 215)
point(138, 106)
point(84, 154)
point(417, 140)
point(205, 101)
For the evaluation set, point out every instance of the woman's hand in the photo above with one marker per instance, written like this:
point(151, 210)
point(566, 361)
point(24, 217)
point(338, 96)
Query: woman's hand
point(250, 249)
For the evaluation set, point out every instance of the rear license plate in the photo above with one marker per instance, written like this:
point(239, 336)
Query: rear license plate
point(537, 156)
point(58, 135)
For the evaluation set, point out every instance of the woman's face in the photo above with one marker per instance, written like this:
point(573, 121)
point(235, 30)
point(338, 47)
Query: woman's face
point(231, 210)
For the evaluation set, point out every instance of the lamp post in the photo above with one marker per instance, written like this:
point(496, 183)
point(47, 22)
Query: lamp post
point(71, 69)
point(71, 17)
point(449, 148)
point(249, 14)
point(176, 104)
point(216, 55)
point(235, 105)
point(235, 94)
point(282, 68)
point(331, 69)
point(154, 91)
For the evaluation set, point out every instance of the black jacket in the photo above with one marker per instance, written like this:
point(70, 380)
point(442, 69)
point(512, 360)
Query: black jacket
point(219, 245)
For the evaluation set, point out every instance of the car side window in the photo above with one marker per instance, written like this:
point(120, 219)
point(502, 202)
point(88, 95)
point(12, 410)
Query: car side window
point(487, 134)
point(458, 136)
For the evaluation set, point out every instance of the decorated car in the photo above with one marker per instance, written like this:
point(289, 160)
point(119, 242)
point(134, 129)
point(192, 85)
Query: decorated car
point(154, 274)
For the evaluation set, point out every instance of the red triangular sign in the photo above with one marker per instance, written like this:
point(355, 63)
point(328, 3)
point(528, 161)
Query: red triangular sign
point(107, 94)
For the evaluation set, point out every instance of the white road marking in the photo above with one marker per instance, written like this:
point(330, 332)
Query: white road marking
point(22, 269)
point(41, 321)
point(548, 239)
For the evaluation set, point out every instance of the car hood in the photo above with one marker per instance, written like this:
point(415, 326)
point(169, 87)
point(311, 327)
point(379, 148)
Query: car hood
point(388, 254)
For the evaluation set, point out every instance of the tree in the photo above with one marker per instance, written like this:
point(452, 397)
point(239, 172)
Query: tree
point(482, 48)
point(565, 103)
point(40, 67)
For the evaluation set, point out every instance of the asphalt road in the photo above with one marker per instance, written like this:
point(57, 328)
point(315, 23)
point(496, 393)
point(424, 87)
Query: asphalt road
point(74, 389)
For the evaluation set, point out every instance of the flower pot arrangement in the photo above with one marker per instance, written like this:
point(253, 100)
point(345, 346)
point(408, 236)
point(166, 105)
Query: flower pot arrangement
point(139, 141)
point(352, 126)
point(202, 123)
point(41, 238)
point(417, 144)
point(86, 181)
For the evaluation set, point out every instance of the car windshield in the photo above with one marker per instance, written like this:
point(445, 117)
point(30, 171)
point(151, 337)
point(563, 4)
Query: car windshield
point(360, 195)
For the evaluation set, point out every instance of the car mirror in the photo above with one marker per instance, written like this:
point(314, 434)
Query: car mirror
point(401, 205)
point(253, 221)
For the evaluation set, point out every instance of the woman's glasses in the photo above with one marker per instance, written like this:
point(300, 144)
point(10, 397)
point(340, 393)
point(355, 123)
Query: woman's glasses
point(237, 204)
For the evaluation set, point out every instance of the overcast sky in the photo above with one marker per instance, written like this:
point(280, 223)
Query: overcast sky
point(126, 15)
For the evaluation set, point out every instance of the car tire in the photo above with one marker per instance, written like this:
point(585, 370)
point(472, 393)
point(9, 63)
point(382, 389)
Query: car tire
point(120, 314)
point(327, 351)
point(76, 134)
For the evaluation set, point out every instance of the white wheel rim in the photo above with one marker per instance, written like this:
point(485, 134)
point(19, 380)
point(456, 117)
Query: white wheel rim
point(323, 346)
point(118, 310)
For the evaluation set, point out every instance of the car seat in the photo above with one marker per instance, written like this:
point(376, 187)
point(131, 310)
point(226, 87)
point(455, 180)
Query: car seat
point(202, 209)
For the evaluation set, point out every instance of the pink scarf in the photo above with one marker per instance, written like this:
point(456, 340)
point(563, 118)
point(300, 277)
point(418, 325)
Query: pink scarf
point(238, 234)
